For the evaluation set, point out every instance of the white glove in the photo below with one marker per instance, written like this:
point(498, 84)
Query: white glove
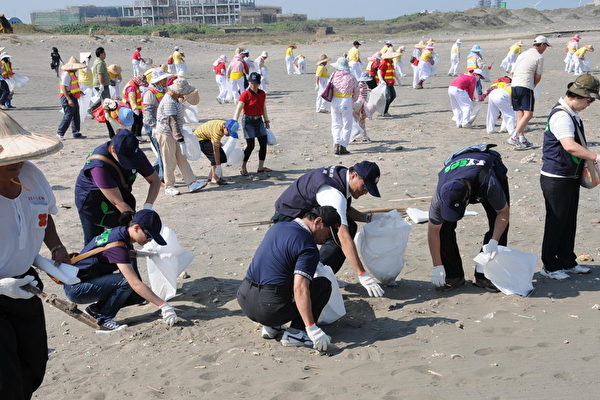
point(148, 206)
point(183, 148)
point(438, 276)
point(168, 314)
point(491, 248)
point(219, 171)
point(369, 283)
point(319, 338)
point(12, 287)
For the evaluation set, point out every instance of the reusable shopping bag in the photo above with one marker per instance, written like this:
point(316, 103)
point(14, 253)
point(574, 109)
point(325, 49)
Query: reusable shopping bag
point(511, 270)
point(327, 93)
point(334, 309)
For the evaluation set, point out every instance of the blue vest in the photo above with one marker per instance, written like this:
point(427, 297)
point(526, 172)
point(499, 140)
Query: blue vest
point(89, 199)
point(301, 196)
point(98, 265)
point(556, 160)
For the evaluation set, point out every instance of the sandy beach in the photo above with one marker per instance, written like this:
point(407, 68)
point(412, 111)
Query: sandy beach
point(413, 343)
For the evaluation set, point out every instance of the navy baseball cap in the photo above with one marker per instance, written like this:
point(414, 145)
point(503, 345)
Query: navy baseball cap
point(254, 77)
point(151, 224)
point(232, 127)
point(369, 171)
point(453, 196)
point(127, 147)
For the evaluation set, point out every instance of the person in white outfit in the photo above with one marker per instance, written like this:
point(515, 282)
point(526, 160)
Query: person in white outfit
point(414, 62)
point(454, 58)
point(300, 65)
point(354, 60)
point(461, 92)
point(321, 79)
point(289, 59)
point(508, 62)
point(399, 64)
point(219, 68)
point(263, 70)
point(345, 92)
point(499, 103)
point(572, 47)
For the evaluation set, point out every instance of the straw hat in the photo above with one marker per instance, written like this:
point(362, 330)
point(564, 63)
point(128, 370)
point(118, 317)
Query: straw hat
point(420, 45)
point(193, 98)
point(293, 46)
point(181, 86)
point(390, 55)
point(72, 65)
point(114, 69)
point(323, 59)
point(589, 47)
point(18, 144)
point(430, 41)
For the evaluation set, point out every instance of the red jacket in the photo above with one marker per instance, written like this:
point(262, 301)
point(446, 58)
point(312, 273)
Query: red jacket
point(466, 82)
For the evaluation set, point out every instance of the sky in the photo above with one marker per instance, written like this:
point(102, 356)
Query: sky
point(314, 8)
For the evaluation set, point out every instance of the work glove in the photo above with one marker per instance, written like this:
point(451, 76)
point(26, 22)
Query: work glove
point(438, 276)
point(13, 288)
point(183, 148)
point(168, 314)
point(491, 248)
point(319, 338)
point(369, 283)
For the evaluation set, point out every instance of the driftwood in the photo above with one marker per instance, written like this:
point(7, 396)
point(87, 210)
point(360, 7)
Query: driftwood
point(63, 305)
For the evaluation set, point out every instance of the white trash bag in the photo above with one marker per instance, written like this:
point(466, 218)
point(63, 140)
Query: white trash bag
point(165, 266)
point(192, 145)
point(65, 273)
point(511, 270)
point(190, 113)
point(271, 139)
point(334, 309)
point(381, 245)
point(234, 153)
point(84, 102)
point(377, 99)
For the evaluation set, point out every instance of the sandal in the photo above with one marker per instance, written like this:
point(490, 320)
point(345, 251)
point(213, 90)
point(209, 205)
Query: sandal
point(264, 169)
point(243, 172)
point(221, 182)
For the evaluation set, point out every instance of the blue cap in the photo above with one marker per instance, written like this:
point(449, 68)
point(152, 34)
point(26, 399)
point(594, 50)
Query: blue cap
point(151, 224)
point(127, 147)
point(254, 77)
point(453, 196)
point(126, 116)
point(232, 127)
point(369, 171)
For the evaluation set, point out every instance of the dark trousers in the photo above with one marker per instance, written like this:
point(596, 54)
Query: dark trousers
point(562, 202)
point(449, 246)
point(4, 91)
point(138, 123)
point(23, 346)
point(71, 117)
point(273, 305)
point(390, 96)
point(262, 150)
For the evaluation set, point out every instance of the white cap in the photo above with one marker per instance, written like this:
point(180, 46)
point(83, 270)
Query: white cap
point(541, 40)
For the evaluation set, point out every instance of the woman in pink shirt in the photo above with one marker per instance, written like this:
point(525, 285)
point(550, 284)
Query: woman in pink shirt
point(235, 72)
point(461, 92)
point(345, 92)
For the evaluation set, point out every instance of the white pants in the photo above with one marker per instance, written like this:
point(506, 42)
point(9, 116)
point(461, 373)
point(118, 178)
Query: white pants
point(289, 64)
point(264, 82)
point(499, 102)
point(172, 69)
point(237, 87)
point(454, 61)
point(300, 68)
point(222, 82)
point(581, 66)
point(461, 105)
point(569, 62)
point(181, 68)
point(399, 68)
point(341, 120)
point(136, 67)
point(355, 68)
point(415, 75)
point(321, 104)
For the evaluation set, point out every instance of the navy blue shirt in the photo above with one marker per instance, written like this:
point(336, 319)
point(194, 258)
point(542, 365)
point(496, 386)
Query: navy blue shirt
point(287, 249)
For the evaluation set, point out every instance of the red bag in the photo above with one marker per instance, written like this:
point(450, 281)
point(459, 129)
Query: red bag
point(170, 60)
point(98, 114)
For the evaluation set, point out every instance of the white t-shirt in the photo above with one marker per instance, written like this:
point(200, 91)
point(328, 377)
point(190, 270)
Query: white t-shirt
point(24, 221)
point(562, 127)
point(330, 196)
point(528, 64)
point(65, 79)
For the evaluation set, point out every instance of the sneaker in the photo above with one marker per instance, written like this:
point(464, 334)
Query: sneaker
point(92, 311)
point(111, 325)
point(295, 338)
point(524, 142)
point(271, 332)
point(78, 135)
point(195, 186)
point(513, 140)
point(468, 125)
point(60, 137)
point(485, 283)
point(558, 275)
point(171, 191)
point(579, 269)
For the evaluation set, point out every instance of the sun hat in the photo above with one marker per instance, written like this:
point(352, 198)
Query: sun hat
point(114, 69)
point(365, 77)
point(192, 98)
point(5, 55)
point(519, 43)
point(430, 41)
point(232, 127)
point(72, 65)
point(541, 40)
point(125, 116)
point(138, 47)
point(401, 49)
point(341, 64)
point(254, 77)
point(376, 56)
point(158, 75)
point(323, 59)
point(181, 86)
point(586, 86)
point(176, 48)
point(476, 49)
point(390, 54)
point(245, 51)
point(458, 41)
point(18, 144)
point(420, 45)
point(478, 71)
point(577, 37)
point(151, 224)
point(292, 46)
point(264, 54)
point(369, 172)
point(453, 200)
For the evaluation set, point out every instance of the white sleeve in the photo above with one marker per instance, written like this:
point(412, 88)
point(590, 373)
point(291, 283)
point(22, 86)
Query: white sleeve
point(34, 172)
point(561, 125)
point(329, 196)
point(65, 79)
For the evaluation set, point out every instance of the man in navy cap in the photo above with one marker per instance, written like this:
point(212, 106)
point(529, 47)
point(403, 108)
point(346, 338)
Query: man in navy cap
point(103, 189)
point(109, 275)
point(335, 186)
point(475, 174)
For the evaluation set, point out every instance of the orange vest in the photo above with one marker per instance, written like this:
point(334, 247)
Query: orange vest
point(73, 87)
point(387, 69)
point(138, 94)
point(157, 93)
point(6, 69)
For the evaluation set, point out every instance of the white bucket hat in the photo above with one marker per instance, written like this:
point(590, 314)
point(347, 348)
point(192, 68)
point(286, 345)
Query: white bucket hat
point(158, 75)
point(341, 64)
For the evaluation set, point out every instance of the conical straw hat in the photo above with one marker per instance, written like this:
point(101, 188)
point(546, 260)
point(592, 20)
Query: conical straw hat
point(72, 65)
point(18, 144)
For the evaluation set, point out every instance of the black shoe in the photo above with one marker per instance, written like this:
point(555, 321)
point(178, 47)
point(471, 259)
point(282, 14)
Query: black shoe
point(92, 311)
point(485, 283)
point(336, 149)
point(78, 136)
point(343, 150)
point(452, 283)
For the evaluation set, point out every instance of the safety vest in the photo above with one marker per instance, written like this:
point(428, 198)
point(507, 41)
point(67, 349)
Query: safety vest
point(157, 93)
point(6, 69)
point(473, 62)
point(387, 69)
point(138, 94)
point(73, 86)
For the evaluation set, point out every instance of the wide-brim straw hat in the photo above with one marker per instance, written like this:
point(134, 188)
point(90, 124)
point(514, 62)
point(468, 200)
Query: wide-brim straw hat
point(323, 59)
point(389, 55)
point(18, 144)
point(114, 69)
point(193, 98)
point(72, 65)
point(420, 45)
point(292, 46)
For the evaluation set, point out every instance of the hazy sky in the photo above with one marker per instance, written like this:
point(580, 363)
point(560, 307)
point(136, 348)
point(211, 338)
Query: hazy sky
point(314, 8)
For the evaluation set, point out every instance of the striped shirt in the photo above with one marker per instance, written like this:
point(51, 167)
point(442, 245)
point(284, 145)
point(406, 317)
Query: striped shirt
point(169, 107)
point(211, 130)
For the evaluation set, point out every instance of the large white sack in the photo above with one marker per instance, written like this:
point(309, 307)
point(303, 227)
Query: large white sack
point(234, 153)
point(334, 309)
point(511, 270)
point(84, 102)
point(377, 98)
point(190, 113)
point(192, 147)
point(381, 245)
point(165, 267)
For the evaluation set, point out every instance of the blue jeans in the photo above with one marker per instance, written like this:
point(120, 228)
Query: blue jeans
point(71, 117)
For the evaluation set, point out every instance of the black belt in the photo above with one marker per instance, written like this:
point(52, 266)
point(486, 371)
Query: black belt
point(257, 285)
point(253, 116)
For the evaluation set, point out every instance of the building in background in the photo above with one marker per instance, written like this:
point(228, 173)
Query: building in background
point(81, 14)
point(490, 4)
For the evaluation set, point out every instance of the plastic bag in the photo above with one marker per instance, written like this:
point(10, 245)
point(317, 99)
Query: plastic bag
point(271, 139)
point(229, 92)
point(19, 81)
point(381, 245)
point(334, 309)
point(234, 153)
point(192, 145)
point(191, 115)
point(356, 132)
point(165, 267)
point(377, 98)
point(511, 270)
point(84, 103)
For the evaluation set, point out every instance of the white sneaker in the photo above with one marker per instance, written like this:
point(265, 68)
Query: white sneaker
point(558, 275)
point(195, 186)
point(514, 140)
point(271, 332)
point(295, 338)
point(171, 191)
point(579, 269)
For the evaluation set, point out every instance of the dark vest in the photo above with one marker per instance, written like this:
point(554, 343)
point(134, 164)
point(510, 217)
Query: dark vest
point(98, 265)
point(556, 160)
point(301, 196)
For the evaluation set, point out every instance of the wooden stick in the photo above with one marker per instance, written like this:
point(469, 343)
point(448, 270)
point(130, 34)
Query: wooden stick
point(255, 223)
point(419, 199)
point(65, 306)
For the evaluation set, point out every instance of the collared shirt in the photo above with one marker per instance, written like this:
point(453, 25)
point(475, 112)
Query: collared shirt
point(99, 67)
point(254, 103)
point(321, 72)
point(211, 130)
point(329, 196)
